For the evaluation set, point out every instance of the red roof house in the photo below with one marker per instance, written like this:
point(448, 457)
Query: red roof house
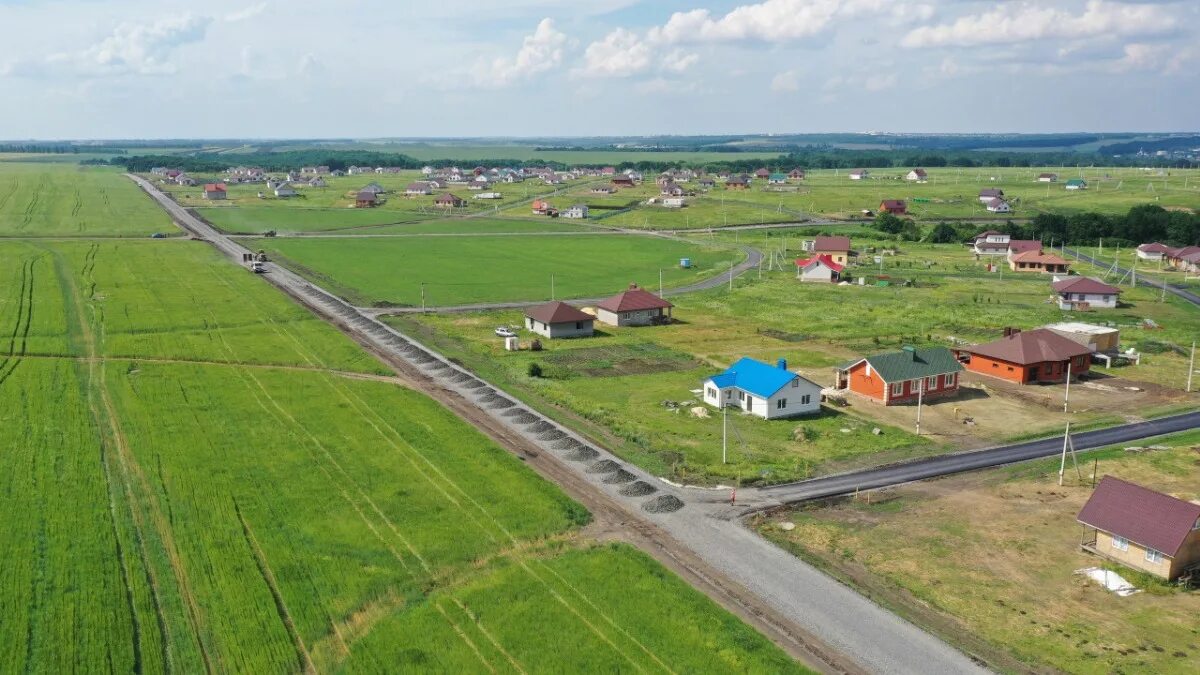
point(896, 207)
point(558, 320)
point(1036, 261)
point(1028, 357)
point(1085, 293)
point(634, 307)
point(1142, 528)
point(819, 268)
point(449, 200)
point(215, 191)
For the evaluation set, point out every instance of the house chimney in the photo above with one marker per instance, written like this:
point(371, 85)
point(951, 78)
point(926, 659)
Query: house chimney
point(781, 364)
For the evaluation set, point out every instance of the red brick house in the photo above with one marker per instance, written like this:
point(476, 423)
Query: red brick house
point(622, 180)
point(365, 200)
point(1028, 357)
point(901, 377)
point(896, 207)
point(1035, 261)
point(449, 200)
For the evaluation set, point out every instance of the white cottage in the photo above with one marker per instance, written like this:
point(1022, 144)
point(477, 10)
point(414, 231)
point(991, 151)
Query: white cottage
point(763, 390)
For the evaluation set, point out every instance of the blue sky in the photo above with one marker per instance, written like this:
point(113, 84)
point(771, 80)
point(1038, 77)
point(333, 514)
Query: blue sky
point(373, 68)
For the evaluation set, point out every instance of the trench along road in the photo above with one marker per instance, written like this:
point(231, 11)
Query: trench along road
point(694, 532)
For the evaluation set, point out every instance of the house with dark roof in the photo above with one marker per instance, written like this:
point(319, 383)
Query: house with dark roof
point(737, 183)
point(1083, 293)
point(1047, 178)
point(998, 205)
point(918, 175)
point(896, 207)
point(764, 390)
point(1019, 246)
point(819, 268)
point(622, 180)
point(991, 242)
point(796, 174)
point(215, 191)
point(988, 194)
point(895, 378)
point(1076, 184)
point(1152, 251)
point(836, 247)
point(418, 188)
point(634, 306)
point(1140, 528)
point(859, 174)
point(1036, 261)
point(366, 200)
point(1028, 357)
point(449, 200)
point(762, 173)
point(559, 320)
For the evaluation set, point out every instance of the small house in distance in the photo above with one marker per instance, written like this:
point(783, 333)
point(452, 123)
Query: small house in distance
point(215, 191)
point(1142, 529)
point(991, 242)
point(737, 183)
point(836, 247)
point(1076, 184)
point(1036, 261)
point(764, 390)
point(859, 174)
point(578, 211)
point(896, 207)
point(634, 307)
point(1028, 357)
point(449, 200)
point(559, 320)
point(918, 175)
point(777, 179)
point(999, 206)
point(284, 191)
point(1152, 251)
point(365, 200)
point(988, 194)
point(1085, 293)
point(901, 377)
point(1047, 178)
point(762, 174)
point(622, 180)
point(819, 268)
point(796, 174)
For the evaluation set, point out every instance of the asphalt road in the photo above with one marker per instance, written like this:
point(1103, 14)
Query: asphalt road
point(1186, 295)
point(943, 465)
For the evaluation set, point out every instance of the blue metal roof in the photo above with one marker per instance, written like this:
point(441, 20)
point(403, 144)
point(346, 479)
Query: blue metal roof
point(755, 377)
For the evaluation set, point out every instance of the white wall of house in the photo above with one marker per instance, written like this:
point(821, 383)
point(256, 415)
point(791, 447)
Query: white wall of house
point(637, 318)
point(1149, 255)
point(564, 329)
point(817, 272)
point(1096, 300)
point(799, 398)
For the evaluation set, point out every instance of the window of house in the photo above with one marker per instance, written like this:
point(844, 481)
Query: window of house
point(898, 389)
point(948, 380)
point(796, 382)
point(781, 403)
point(931, 383)
point(1196, 525)
point(712, 393)
point(578, 325)
point(1153, 556)
point(807, 398)
point(1120, 543)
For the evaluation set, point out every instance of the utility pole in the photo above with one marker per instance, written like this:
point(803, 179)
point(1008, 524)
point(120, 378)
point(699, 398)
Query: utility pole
point(551, 286)
point(1062, 466)
point(1067, 393)
point(731, 276)
point(920, 392)
point(724, 432)
point(1191, 367)
point(422, 297)
point(660, 285)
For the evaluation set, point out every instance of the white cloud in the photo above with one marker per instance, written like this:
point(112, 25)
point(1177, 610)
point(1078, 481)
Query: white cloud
point(678, 61)
point(1007, 24)
point(620, 54)
point(248, 12)
point(541, 51)
point(787, 81)
point(769, 21)
point(138, 49)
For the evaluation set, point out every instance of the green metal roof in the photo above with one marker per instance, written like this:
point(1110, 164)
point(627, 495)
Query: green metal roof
point(910, 363)
point(1077, 181)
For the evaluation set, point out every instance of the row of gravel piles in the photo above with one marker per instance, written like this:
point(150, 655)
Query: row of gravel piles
point(637, 489)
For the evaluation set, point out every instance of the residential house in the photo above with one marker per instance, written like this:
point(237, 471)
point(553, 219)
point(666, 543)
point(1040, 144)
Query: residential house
point(736, 183)
point(918, 175)
point(819, 268)
point(366, 200)
point(1183, 258)
point(1085, 293)
point(577, 211)
point(1099, 339)
point(998, 205)
point(1027, 357)
point(1076, 184)
point(284, 191)
point(559, 320)
point(988, 194)
point(1047, 178)
point(418, 188)
point(622, 180)
point(1035, 261)
point(777, 179)
point(859, 174)
point(836, 247)
point(706, 183)
point(604, 190)
point(767, 391)
point(449, 200)
point(674, 202)
point(762, 174)
point(896, 207)
point(1018, 246)
point(1152, 251)
point(318, 182)
point(541, 207)
point(374, 188)
point(185, 180)
point(489, 195)
point(796, 174)
point(991, 242)
point(634, 307)
point(215, 191)
point(895, 378)
point(1143, 529)
point(671, 189)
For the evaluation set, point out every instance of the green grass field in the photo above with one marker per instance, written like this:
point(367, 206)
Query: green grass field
point(46, 200)
point(463, 270)
point(429, 151)
point(199, 476)
point(255, 220)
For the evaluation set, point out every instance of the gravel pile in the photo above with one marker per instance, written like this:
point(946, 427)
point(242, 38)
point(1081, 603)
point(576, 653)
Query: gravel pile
point(567, 444)
point(638, 489)
point(604, 466)
point(472, 384)
point(460, 377)
point(514, 412)
point(618, 476)
point(525, 418)
point(582, 454)
point(552, 435)
point(541, 426)
point(501, 403)
point(438, 365)
point(663, 504)
point(486, 392)
point(487, 398)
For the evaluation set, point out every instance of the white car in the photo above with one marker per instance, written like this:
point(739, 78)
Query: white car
point(505, 332)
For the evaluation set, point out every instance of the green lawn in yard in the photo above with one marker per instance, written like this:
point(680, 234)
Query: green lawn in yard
point(462, 270)
point(46, 200)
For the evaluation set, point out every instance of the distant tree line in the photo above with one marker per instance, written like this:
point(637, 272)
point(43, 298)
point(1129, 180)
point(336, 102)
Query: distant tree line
point(59, 148)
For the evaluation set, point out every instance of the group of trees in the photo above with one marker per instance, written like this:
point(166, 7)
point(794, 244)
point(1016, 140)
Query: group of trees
point(1141, 224)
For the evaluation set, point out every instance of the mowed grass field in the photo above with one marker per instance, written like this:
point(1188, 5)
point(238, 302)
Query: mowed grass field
point(257, 220)
point(479, 269)
point(617, 385)
point(46, 200)
point(199, 477)
point(988, 560)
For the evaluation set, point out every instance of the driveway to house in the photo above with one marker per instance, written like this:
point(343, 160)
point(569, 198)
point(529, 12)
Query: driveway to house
point(1185, 294)
point(695, 532)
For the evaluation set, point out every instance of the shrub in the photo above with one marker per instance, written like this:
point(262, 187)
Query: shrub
point(535, 369)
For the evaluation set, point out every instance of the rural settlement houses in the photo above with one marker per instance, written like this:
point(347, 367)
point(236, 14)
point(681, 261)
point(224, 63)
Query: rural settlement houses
point(1028, 357)
point(559, 320)
point(215, 191)
point(634, 307)
point(901, 377)
point(1085, 293)
point(819, 268)
point(836, 248)
point(1142, 529)
point(763, 390)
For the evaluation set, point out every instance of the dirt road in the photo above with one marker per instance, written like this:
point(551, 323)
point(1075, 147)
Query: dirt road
point(694, 532)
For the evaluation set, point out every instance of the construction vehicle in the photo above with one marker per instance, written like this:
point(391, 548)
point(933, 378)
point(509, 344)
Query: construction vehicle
point(257, 262)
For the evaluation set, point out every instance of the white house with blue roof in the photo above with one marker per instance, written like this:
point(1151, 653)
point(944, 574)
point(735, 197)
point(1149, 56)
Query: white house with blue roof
point(763, 390)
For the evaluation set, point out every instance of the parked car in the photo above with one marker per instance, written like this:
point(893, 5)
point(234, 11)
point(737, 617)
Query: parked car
point(505, 332)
